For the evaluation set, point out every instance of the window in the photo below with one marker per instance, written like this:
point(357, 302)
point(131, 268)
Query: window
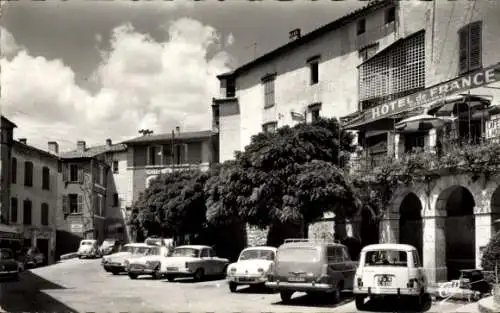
point(28, 173)
point(14, 171)
point(211, 253)
point(268, 92)
point(416, 259)
point(315, 109)
point(368, 52)
point(27, 212)
point(361, 26)
point(414, 140)
point(386, 258)
point(115, 199)
point(73, 173)
point(115, 167)
point(45, 214)
point(100, 175)
point(230, 88)
point(13, 210)
point(45, 178)
point(470, 48)
point(390, 15)
point(155, 155)
point(204, 253)
point(269, 127)
point(100, 205)
point(314, 71)
point(180, 154)
point(73, 203)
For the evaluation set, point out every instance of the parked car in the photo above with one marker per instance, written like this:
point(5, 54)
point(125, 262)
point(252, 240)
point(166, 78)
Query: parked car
point(312, 266)
point(34, 257)
point(109, 246)
point(389, 270)
point(473, 279)
point(149, 263)
point(252, 267)
point(116, 263)
point(195, 261)
point(9, 267)
point(88, 249)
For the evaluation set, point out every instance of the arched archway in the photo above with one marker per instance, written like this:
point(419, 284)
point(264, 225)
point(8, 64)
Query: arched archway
point(410, 222)
point(457, 204)
point(495, 210)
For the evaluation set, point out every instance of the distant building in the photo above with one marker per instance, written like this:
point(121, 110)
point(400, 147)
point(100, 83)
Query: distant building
point(88, 195)
point(151, 155)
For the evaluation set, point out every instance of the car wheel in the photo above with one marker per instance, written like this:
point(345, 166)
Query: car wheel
point(360, 302)
point(232, 287)
point(115, 272)
point(337, 293)
point(286, 296)
point(198, 275)
point(170, 278)
point(132, 276)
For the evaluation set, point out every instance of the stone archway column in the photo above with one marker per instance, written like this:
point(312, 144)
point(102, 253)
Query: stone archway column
point(434, 247)
point(389, 228)
point(483, 229)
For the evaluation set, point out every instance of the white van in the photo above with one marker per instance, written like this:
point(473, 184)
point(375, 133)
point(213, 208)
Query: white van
point(389, 270)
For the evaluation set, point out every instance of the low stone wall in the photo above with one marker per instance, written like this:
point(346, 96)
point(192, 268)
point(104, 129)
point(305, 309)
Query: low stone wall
point(256, 236)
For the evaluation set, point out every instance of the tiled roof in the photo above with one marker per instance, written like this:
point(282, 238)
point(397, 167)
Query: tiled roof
point(92, 151)
point(21, 145)
point(168, 136)
point(344, 20)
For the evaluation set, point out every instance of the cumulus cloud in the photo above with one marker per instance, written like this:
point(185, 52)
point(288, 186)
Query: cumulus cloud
point(8, 44)
point(143, 84)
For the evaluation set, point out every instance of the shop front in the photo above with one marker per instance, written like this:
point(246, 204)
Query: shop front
point(448, 216)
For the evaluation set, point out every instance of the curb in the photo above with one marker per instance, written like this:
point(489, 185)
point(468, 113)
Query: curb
point(486, 305)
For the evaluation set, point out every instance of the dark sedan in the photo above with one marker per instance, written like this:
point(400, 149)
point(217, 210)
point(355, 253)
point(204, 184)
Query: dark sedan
point(9, 267)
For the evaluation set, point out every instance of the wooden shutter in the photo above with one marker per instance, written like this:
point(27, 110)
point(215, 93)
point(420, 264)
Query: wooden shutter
point(463, 38)
point(475, 46)
point(80, 203)
point(80, 175)
point(65, 171)
point(65, 204)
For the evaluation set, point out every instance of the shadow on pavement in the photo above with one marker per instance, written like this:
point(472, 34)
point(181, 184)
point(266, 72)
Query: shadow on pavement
point(189, 280)
point(27, 295)
point(320, 301)
point(256, 290)
point(398, 306)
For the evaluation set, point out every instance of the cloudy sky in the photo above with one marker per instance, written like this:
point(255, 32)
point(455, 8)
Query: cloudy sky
point(91, 70)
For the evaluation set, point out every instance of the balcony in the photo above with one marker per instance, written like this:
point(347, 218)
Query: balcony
point(475, 158)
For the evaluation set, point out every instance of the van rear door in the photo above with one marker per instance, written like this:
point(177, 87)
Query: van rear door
point(298, 264)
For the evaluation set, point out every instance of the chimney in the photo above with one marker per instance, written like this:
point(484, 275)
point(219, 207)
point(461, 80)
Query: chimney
point(80, 145)
point(23, 140)
point(178, 129)
point(109, 143)
point(53, 147)
point(294, 34)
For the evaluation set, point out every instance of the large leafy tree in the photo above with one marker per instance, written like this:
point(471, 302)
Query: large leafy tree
point(291, 177)
point(173, 204)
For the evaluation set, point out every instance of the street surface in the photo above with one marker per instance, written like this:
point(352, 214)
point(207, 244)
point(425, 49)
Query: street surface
point(83, 286)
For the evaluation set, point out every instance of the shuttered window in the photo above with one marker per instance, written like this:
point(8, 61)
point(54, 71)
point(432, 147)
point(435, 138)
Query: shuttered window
point(27, 207)
point(470, 47)
point(44, 214)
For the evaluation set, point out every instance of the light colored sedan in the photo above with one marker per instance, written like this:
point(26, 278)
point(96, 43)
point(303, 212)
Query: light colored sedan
point(194, 261)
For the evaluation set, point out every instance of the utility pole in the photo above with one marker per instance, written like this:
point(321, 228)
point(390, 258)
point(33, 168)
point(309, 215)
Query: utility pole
point(172, 150)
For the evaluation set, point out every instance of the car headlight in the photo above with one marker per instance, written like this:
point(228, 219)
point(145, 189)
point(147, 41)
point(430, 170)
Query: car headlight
point(232, 270)
point(261, 271)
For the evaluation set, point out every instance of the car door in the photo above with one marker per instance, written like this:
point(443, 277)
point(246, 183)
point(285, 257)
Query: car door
point(205, 260)
point(217, 264)
point(350, 269)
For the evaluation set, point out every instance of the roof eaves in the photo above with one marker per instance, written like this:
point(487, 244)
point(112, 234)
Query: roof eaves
point(25, 146)
point(372, 5)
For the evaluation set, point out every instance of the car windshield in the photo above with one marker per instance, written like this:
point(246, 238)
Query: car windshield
point(257, 254)
point(186, 252)
point(386, 258)
point(108, 243)
point(127, 249)
point(141, 250)
point(299, 254)
point(5, 254)
point(153, 251)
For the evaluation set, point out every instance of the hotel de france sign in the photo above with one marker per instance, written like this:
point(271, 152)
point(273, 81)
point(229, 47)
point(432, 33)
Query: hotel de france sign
point(473, 80)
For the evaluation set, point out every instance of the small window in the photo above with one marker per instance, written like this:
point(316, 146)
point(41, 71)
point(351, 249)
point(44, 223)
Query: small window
point(73, 173)
point(269, 127)
point(314, 71)
point(315, 115)
point(470, 48)
point(45, 178)
point(416, 259)
point(269, 97)
point(100, 205)
point(211, 253)
point(115, 167)
point(102, 170)
point(28, 174)
point(115, 199)
point(27, 210)
point(230, 88)
point(14, 171)
point(361, 26)
point(368, 52)
point(45, 214)
point(390, 15)
point(75, 203)
point(13, 210)
point(204, 253)
point(155, 155)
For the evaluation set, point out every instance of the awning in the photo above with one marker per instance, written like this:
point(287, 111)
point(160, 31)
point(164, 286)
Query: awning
point(429, 96)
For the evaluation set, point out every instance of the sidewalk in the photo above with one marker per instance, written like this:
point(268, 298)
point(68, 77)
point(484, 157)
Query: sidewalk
point(487, 305)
